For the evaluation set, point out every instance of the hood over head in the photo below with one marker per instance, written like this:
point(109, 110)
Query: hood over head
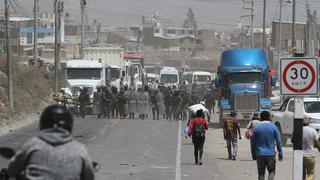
point(55, 136)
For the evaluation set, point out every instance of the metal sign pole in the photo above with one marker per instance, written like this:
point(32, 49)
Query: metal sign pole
point(297, 170)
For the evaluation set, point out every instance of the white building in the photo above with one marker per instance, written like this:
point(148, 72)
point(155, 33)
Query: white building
point(108, 54)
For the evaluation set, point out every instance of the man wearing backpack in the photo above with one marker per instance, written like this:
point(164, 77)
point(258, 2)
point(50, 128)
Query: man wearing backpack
point(231, 128)
point(197, 128)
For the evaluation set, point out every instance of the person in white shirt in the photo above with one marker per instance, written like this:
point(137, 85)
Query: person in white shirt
point(194, 108)
point(310, 140)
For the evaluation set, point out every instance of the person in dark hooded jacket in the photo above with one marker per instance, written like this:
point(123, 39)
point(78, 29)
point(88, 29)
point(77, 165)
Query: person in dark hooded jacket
point(54, 153)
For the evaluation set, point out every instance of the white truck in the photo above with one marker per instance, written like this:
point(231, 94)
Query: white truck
point(283, 117)
point(80, 73)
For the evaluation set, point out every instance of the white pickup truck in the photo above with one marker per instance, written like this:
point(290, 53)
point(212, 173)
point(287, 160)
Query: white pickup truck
point(283, 117)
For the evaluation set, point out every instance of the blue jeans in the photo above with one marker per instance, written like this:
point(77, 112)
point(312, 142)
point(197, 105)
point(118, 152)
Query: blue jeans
point(232, 145)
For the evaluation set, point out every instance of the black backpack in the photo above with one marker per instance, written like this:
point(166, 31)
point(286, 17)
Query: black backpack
point(198, 130)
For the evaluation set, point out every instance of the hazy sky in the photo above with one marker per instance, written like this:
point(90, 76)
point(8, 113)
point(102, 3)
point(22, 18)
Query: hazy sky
point(219, 14)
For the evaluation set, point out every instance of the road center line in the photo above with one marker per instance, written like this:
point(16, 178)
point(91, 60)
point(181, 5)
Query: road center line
point(178, 156)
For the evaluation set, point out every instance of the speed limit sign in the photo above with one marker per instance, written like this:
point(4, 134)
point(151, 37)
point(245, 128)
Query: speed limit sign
point(299, 76)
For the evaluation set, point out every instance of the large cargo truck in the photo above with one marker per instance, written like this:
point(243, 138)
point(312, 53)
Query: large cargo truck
point(243, 83)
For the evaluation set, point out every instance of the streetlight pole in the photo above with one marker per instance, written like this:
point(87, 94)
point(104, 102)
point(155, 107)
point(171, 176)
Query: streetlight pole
point(264, 25)
point(293, 25)
point(280, 34)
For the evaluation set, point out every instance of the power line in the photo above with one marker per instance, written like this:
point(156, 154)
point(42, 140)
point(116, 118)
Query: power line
point(18, 4)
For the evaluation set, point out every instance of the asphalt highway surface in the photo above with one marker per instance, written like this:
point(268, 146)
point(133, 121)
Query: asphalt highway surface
point(156, 150)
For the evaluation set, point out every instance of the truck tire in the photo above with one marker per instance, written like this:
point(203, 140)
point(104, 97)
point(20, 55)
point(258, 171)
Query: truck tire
point(283, 137)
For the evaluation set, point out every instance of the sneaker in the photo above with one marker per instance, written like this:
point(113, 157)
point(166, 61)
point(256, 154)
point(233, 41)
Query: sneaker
point(196, 162)
point(200, 162)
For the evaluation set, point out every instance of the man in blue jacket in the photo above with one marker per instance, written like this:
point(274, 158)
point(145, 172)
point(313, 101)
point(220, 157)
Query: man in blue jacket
point(264, 139)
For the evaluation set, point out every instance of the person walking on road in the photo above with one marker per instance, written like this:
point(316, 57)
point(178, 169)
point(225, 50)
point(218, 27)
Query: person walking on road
point(231, 129)
point(197, 128)
point(310, 140)
point(54, 153)
point(264, 139)
point(252, 123)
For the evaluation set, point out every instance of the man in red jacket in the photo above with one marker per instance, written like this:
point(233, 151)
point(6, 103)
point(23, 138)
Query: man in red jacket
point(197, 128)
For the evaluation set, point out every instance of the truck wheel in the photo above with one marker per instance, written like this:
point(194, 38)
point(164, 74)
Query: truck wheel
point(282, 136)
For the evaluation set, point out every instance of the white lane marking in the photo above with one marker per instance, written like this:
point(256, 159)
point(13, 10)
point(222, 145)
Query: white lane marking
point(178, 157)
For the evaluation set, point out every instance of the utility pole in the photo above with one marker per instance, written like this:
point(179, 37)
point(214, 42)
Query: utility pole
point(82, 5)
point(280, 34)
point(264, 25)
point(251, 20)
point(58, 10)
point(35, 35)
point(314, 34)
point(9, 62)
point(293, 26)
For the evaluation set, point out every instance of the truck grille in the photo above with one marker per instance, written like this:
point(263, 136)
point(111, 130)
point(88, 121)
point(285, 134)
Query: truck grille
point(246, 102)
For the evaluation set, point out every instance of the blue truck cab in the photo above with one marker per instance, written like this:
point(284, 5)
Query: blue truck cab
point(243, 83)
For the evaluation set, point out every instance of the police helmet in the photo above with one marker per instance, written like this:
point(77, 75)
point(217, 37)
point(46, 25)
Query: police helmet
point(55, 116)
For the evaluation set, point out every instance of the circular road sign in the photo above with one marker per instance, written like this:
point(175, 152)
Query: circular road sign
point(299, 76)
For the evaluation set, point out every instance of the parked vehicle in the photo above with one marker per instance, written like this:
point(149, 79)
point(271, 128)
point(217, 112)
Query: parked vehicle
point(169, 76)
point(83, 74)
point(133, 72)
point(283, 117)
point(243, 83)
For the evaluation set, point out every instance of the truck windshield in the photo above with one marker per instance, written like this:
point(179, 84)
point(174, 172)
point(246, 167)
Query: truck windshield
point(169, 78)
point(244, 77)
point(115, 73)
point(202, 78)
point(312, 107)
point(84, 73)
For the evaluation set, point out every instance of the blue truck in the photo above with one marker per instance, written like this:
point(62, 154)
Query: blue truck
point(243, 83)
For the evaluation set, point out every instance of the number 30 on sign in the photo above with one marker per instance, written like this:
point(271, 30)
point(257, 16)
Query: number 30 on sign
point(299, 76)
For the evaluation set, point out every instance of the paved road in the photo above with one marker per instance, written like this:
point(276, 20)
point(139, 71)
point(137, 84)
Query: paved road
point(150, 149)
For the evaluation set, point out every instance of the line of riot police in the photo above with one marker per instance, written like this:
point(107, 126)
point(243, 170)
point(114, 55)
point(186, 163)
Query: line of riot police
point(164, 102)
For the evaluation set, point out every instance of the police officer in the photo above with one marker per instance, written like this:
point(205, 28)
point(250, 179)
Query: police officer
point(62, 98)
point(132, 97)
point(107, 100)
point(183, 108)
point(154, 105)
point(83, 100)
point(175, 104)
point(209, 101)
point(122, 101)
point(98, 102)
point(114, 102)
point(54, 153)
point(193, 98)
point(168, 103)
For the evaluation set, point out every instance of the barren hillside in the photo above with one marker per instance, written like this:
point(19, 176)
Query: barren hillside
point(30, 88)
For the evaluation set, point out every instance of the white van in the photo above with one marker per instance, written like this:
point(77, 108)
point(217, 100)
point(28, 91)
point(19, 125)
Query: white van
point(197, 77)
point(169, 76)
